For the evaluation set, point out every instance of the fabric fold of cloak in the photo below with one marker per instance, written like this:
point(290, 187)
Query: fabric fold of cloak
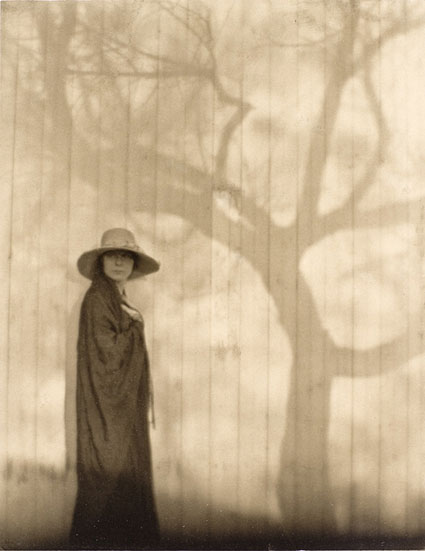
point(115, 503)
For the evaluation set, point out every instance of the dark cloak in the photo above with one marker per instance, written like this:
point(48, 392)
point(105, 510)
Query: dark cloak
point(115, 502)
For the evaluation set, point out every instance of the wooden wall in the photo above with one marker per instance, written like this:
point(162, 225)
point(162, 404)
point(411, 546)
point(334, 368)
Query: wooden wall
point(270, 155)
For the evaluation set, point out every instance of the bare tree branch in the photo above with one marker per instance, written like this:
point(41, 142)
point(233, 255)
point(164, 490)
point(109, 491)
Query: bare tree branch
point(328, 113)
point(340, 219)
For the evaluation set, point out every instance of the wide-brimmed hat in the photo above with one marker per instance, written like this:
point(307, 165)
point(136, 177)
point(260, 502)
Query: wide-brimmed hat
point(122, 240)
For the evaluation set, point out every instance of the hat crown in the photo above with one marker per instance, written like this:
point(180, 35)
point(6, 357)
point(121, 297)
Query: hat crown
point(119, 238)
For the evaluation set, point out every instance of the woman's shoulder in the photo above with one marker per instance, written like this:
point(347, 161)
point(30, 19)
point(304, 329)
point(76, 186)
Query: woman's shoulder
point(93, 298)
point(102, 297)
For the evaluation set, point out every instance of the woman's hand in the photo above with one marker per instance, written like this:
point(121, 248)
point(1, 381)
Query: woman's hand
point(132, 312)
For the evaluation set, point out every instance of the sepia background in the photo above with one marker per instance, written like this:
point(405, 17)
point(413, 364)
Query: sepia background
point(270, 154)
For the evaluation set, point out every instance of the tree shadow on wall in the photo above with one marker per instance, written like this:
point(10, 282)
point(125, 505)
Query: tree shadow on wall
point(96, 60)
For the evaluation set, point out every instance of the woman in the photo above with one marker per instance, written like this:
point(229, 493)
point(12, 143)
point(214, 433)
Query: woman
point(115, 503)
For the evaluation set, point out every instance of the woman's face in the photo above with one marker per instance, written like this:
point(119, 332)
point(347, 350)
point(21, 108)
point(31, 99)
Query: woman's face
point(118, 265)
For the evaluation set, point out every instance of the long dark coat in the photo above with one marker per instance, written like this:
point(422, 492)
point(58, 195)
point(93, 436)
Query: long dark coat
point(115, 504)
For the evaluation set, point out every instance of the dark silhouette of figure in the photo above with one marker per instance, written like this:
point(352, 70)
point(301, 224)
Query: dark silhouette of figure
point(115, 503)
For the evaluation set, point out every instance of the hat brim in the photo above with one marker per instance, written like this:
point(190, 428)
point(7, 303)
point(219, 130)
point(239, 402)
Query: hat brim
point(143, 263)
